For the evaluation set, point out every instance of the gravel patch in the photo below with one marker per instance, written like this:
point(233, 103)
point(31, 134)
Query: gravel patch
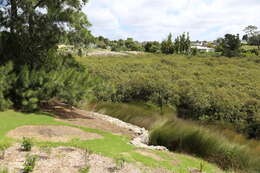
point(68, 160)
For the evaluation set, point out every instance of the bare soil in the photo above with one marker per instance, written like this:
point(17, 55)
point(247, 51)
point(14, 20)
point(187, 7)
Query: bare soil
point(101, 125)
point(68, 160)
point(52, 133)
point(75, 116)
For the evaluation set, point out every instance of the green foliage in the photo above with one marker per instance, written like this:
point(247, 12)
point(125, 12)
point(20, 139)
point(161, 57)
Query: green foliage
point(189, 138)
point(208, 89)
point(152, 47)
point(126, 45)
point(111, 145)
point(6, 81)
point(84, 170)
point(194, 51)
point(252, 35)
point(26, 89)
point(29, 163)
point(231, 45)
point(182, 44)
point(120, 162)
point(167, 46)
point(26, 144)
point(210, 143)
point(31, 35)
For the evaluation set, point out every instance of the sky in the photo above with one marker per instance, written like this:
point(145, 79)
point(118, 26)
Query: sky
point(146, 20)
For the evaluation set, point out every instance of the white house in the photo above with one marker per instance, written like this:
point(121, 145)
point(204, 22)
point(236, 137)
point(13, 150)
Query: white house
point(203, 48)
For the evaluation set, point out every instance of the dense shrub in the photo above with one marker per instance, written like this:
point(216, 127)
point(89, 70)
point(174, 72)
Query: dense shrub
point(64, 79)
point(66, 85)
point(152, 47)
point(6, 81)
point(208, 89)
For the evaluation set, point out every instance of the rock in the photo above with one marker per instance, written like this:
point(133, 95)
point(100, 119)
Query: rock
point(142, 139)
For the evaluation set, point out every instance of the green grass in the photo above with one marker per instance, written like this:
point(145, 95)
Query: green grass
point(111, 145)
point(248, 47)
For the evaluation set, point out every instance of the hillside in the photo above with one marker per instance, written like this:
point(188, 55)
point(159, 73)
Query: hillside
point(83, 141)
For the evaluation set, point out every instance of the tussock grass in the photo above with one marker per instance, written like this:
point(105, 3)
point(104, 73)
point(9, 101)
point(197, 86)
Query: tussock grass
point(225, 148)
point(189, 138)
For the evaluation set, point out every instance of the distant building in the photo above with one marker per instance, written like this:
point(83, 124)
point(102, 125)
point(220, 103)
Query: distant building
point(204, 48)
point(243, 42)
point(197, 43)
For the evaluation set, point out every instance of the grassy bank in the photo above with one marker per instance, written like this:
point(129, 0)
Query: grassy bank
point(113, 146)
point(221, 146)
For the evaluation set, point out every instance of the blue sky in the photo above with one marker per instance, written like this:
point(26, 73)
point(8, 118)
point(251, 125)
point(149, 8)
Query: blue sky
point(154, 19)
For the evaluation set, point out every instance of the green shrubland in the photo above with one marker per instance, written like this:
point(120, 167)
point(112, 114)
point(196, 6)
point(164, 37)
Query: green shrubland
point(213, 90)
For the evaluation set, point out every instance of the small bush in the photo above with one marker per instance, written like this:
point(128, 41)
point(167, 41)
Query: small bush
point(29, 163)
point(120, 162)
point(26, 144)
point(84, 170)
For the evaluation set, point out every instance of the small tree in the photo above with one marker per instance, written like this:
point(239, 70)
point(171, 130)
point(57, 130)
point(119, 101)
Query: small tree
point(253, 35)
point(167, 45)
point(152, 47)
point(231, 45)
point(182, 44)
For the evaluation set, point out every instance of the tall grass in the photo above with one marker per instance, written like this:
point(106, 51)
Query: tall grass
point(226, 148)
point(140, 114)
point(188, 137)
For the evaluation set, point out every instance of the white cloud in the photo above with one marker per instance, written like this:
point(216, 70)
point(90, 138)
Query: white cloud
point(154, 19)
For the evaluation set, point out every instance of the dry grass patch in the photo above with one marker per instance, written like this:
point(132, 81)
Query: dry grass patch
point(52, 133)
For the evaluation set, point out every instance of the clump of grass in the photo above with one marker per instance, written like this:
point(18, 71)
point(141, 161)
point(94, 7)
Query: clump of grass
point(84, 170)
point(120, 162)
point(4, 170)
point(47, 149)
point(26, 144)
point(29, 163)
point(190, 138)
point(2, 151)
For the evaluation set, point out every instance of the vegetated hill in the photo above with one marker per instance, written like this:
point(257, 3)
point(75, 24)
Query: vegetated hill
point(65, 146)
point(211, 89)
point(218, 91)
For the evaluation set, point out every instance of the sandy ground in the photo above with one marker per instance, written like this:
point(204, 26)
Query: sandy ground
point(68, 160)
point(51, 133)
point(82, 118)
point(99, 124)
point(106, 53)
point(111, 53)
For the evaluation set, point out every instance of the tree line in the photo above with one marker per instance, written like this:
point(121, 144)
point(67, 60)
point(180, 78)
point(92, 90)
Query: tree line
point(230, 45)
